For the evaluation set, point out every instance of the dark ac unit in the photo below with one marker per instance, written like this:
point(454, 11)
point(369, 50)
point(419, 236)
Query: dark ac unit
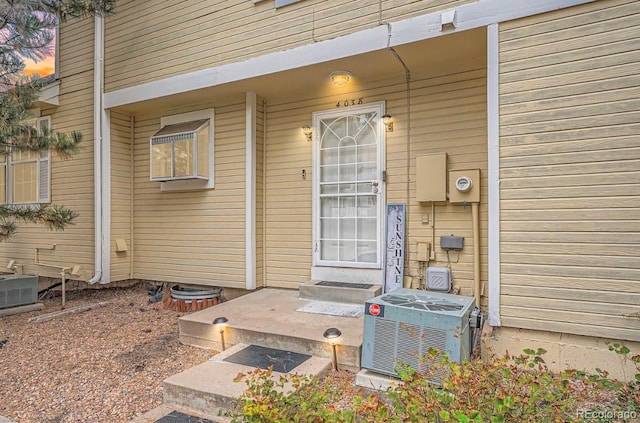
point(16, 290)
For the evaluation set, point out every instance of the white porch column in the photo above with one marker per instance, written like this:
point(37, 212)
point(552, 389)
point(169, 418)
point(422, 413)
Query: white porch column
point(250, 188)
point(493, 132)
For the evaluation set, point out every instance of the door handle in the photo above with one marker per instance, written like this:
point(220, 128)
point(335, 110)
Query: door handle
point(374, 187)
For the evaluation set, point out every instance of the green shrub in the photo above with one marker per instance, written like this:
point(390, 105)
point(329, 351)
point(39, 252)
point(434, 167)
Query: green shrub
point(511, 389)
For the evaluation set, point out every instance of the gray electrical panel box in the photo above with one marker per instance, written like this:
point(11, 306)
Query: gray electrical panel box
point(451, 242)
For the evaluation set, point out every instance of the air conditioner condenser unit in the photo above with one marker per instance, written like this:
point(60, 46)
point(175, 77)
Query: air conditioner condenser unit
point(402, 326)
point(16, 290)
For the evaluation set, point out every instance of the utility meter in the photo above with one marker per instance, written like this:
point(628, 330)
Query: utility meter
point(464, 184)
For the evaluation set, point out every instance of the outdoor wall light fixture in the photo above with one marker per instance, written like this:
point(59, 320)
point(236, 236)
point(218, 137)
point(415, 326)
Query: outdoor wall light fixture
point(340, 78)
point(387, 120)
point(332, 335)
point(221, 323)
point(308, 132)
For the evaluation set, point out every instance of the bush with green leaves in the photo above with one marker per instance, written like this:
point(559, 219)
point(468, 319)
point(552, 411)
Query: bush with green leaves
point(510, 389)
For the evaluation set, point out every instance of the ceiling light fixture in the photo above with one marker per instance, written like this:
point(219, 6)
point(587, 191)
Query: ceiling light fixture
point(340, 78)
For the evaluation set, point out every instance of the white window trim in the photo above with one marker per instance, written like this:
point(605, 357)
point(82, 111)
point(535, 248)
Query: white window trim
point(43, 171)
point(192, 184)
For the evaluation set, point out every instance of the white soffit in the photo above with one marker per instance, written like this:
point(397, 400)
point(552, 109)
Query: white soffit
point(467, 16)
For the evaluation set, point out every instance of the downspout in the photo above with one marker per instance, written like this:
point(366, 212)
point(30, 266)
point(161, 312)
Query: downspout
point(97, 147)
point(132, 187)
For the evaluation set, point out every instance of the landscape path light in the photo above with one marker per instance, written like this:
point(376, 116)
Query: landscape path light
point(332, 335)
point(221, 323)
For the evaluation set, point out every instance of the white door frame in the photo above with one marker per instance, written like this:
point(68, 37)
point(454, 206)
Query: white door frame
point(340, 271)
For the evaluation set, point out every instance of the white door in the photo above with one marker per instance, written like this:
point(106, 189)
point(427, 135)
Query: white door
point(348, 191)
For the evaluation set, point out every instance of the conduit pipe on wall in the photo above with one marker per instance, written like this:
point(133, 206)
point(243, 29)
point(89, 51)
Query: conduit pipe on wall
point(63, 270)
point(475, 216)
point(97, 147)
point(408, 132)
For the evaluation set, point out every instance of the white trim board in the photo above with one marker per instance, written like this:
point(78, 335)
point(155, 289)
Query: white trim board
point(250, 191)
point(493, 148)
point(467, 16)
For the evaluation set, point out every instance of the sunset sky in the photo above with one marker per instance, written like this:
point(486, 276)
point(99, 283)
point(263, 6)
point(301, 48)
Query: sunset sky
point(43, 68)
point(46, 66)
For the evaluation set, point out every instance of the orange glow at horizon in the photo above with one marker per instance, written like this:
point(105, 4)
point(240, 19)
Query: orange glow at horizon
point(43, 68)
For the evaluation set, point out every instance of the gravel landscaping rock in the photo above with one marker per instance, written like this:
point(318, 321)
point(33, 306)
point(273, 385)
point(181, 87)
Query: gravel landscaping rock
point(105, 364)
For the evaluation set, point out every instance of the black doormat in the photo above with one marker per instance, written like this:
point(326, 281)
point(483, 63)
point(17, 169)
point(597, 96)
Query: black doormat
point(178, 417)
point(263, 358)
point(345, 284)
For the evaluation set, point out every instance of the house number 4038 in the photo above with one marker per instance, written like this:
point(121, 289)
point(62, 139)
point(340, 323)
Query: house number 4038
point(347, 103)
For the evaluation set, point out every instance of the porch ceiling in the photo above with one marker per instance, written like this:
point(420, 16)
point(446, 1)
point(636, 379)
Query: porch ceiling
point(434, 56)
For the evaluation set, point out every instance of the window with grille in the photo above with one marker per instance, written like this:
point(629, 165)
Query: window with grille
point(181, 151)
point(25, 176)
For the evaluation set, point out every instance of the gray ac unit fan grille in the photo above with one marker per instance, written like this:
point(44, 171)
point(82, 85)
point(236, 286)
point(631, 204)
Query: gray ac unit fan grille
point(422, 302)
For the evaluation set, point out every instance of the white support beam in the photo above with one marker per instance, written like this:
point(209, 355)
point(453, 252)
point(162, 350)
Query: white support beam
point(493, 147)
point(250, 205)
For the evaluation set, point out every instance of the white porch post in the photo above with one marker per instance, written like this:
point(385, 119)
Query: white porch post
point(493, 132)
point(250, 188)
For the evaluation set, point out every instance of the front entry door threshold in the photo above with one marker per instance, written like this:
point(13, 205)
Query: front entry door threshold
point(340, 292)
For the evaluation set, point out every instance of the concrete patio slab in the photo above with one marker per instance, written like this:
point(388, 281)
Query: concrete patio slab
point(269, 317)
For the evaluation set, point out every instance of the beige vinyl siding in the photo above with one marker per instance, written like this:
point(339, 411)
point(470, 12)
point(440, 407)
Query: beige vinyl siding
point(121, 194)
point(195, 237)
point(448, 113)
point(288, 196)
point(71, 179)
point(570, 160)
point(174, 38)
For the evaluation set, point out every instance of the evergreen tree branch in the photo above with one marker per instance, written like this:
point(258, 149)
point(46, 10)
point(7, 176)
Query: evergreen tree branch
point(52, 217)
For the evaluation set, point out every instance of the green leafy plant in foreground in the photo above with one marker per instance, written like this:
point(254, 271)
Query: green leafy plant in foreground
point(509, 389)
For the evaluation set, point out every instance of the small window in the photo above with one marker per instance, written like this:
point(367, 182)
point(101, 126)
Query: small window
point(25, 176)
point(181, 151)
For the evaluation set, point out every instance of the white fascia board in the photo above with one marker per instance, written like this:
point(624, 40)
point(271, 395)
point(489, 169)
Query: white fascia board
point(468, 16)
point(349, 45)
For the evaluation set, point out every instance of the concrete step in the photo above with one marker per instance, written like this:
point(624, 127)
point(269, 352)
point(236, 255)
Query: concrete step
point(339, 291)
point(210, 388)
point(167, 411)
point(269, 318)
